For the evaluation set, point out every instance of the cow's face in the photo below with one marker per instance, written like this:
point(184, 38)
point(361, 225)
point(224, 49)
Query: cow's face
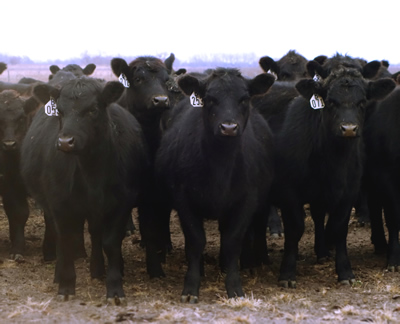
point(13, 120)
point(82, 114)
point(226, 99)
point(148, 78)
point(149, 88)
point(345, 102)
point(345, 93)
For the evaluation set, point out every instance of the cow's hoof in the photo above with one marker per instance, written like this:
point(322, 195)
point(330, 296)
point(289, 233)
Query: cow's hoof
point(189, 299)
point(287, 283)
point(117, 301)
point(64, 298)
point(17, 257)
point(347, 282)
point(393, 268)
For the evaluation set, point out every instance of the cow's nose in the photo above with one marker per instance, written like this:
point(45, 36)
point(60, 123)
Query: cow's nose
point(9, 145)
point(161, 101)
point(349, 130)
point(66, 143)
point(228, 129)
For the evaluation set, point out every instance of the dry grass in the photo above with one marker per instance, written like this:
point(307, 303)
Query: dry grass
point(30, 307)
point(244, 302)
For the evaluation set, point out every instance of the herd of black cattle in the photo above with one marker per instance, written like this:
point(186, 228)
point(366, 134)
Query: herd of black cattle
point(209, 145)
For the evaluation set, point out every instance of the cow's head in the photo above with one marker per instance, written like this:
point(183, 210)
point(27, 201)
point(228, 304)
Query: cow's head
point(75, 69)
point(147, 91)
point(291, 66)
point(345, 94)
point(82, 111)
point(225, 94)
point(323, 67)
point(14, 119)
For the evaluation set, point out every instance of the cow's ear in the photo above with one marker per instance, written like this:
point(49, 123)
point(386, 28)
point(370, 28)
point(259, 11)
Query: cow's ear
point(54, 69)
point(31, 105)
point(380, 89)
point(395, 76)
point(89, 69)
point(321, 59)
point(3, 67)
point(169, 62)
point(314, 67)
point(180, 72)
point(260, 84)
point(118, 66)
point(371, 69)
point(111, 93)
point(268, 64)
point(308, 87)
point(43, 92)
point(190, 84)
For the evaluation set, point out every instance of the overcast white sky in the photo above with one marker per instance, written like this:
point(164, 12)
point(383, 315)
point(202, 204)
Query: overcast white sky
point(51, 29)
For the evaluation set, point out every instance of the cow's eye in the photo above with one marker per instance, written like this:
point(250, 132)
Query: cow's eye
point(244, 100)
point(361, 103)
point(332, 102)
point(93, 112)
point(211, 101)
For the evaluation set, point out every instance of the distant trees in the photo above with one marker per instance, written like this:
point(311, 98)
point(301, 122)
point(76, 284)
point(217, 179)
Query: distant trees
point(223, 60)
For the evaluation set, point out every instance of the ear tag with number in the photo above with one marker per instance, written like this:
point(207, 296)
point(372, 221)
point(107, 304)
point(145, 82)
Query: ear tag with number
point(51, 108)
point(317, 102)
point(195, 100)
point(317, 78)
point(122, 78)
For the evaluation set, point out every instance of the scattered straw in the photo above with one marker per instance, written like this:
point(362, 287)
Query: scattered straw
point(30, 307)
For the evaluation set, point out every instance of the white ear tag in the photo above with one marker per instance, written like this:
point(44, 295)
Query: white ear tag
point(317, 102)
point(273, 74)
point(51, 108)
point(195, 100)
point(317, 78)
point(122, 78)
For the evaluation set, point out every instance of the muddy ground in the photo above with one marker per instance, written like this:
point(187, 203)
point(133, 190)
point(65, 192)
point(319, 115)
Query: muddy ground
point(27, 291)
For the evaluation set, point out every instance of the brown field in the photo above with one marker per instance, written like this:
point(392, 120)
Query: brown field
point(28, 293)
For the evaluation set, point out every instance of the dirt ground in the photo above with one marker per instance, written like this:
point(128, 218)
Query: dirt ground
point(27, 291)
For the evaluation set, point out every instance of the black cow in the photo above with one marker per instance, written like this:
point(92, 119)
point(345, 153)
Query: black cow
point(383, 176)
point(50, 235)
point(74, 69)
point(14, 124)
point(273, 105)
point(86, 163)
point(216, 162)
point(319, 161)
point(289, 67)
point(148, 80)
